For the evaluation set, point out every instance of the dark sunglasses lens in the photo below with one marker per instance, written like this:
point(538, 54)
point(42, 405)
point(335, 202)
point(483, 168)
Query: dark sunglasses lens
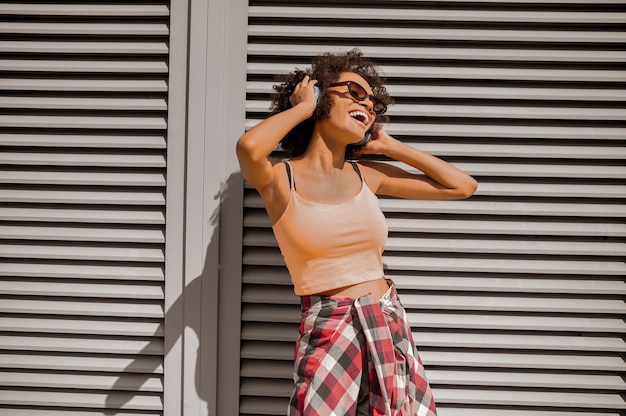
point(357, 91)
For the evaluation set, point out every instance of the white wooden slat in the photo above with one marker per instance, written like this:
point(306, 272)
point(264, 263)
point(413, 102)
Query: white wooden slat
point(528, 361)
point(74, 412)
point(381, 14)
point(471, 92)
point(131, 382)
point(78, 326)
point(88, 178)
point(531, 398)
point(463, 411)
point(90, 103)
point(512, 131)
point(473, 206)
point(452, 245)
point(85, 29)
point(506, 2)
point(479, 322)
point(459, 72)
point(551, 190)
point(548, 267)
point(305, 51)
point(83, 345)
point(82, 197)
point(100, 85)
point(81, 271)
point(85, 66)
point(83, 159)
point(450, 302)
point(81, 289)
point(68, 252)
point(117, 216)
point(107, 234)
point(118, 141)
point(392, 33)
point(483, 111)
point(79, 9)
point(133, 48)
point(143, 364)
point(81, 399)
point(80, 308)
point(83, 122)
point(566, 286)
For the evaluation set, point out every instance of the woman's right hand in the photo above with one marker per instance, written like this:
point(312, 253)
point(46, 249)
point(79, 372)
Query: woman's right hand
point(304, 94)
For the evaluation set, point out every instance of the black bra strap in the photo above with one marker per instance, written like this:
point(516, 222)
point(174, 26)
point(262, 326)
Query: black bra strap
point(292, 184)
point(357, 170)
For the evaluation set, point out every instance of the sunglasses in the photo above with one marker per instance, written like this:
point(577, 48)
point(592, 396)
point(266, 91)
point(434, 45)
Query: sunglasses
point(359, 93)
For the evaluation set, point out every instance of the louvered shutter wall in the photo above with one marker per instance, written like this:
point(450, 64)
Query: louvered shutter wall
point(516, 296)
point(83, 141)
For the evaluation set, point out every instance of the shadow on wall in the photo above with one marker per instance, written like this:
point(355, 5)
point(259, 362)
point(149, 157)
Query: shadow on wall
point(126, 394)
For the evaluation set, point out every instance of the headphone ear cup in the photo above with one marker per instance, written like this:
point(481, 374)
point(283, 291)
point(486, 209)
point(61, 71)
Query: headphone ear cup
point(316, 90)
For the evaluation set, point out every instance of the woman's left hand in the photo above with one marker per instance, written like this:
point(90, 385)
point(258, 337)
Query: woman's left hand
point(379, 143)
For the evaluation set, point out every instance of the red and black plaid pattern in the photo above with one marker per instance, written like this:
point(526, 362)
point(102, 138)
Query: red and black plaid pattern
point(357, 357)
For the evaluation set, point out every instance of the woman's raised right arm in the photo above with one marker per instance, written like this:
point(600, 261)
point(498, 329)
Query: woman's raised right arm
point(256, 145)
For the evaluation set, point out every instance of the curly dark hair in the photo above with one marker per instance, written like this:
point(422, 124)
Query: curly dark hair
point(326, 69)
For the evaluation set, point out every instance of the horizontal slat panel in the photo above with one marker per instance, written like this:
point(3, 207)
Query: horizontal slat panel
point(304, 52)
point(129, 382)
point(81, 271)
point(89, 178)
point(416, 15)
point(91, 103)
point(117, 216)
point(83, 159)
point(82, 234)
point(85, 29)
point(75, 325)
point(79, 9)
point(448, 34)
point(78, 47)
point(87, 308)
point(71, 399)
point(459, 72)
point(83, 345)
point(94, 412)
point(105, 197)
point(142, 364)
point(83, 122)
point(119, 290)
point(85, 66)
point(67, 252)
point(89, 141)
point(101, 85)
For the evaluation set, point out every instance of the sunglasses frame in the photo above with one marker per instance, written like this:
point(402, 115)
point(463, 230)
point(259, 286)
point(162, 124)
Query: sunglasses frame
point(375, 100)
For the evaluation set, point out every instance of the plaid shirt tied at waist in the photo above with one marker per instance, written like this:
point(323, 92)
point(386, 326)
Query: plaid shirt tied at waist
point(357, 357)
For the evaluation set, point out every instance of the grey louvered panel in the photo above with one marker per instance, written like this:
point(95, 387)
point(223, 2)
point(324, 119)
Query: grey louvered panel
point(145, 364)
point(63, 103)
point(81, 271)
point(392, 33)
point(418, 15)
point(69, 252)
point(83, 122)
point(486, 92)
point(85, 66)
point(77, 326)
point(82, 308)
point(132, 346)
point(82, 289)
point(589, 54)
point(472, 73)
point(120, 48)
point(84, 159)
point(83, 382)
point(103, 234)
point(85, 29)
point(79, 9)
point(63, 84)
point(82, 178)
point(120, 141)
point(83, 399)
point(105, 197)
point(44, 214)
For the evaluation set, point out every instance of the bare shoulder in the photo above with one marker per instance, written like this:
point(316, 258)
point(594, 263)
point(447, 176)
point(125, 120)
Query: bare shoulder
point(276, 195)
point(376, 173)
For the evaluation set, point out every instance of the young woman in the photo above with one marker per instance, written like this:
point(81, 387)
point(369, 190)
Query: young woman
point(355, 354)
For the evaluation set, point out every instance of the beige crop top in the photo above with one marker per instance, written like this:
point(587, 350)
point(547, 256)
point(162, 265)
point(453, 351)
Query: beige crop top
point(328, 246)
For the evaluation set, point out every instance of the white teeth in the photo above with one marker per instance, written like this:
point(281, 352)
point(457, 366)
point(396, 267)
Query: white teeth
point(360, 116)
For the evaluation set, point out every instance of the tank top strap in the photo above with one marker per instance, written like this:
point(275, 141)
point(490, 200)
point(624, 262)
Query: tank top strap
point(357, 170)
point(292, 182)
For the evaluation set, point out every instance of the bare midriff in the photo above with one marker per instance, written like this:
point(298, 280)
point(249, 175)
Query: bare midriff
point(376, 287)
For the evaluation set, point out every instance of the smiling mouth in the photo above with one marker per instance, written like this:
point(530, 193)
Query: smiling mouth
point(360, 116)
